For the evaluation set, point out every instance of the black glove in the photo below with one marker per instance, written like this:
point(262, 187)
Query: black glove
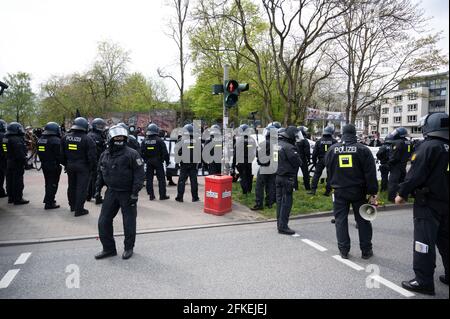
point(97, 194)
point(133, 200)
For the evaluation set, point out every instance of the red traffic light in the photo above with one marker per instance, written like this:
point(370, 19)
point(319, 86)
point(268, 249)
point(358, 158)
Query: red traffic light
point(232, 85)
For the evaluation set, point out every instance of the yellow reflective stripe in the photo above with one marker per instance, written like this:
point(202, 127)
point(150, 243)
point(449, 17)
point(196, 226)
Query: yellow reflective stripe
point(409, 148)
point(326, 148)
point(41, 148)
point(190, 147)
point(73, 147)
point(275, 156)
point(218, 145)
point(151, 148)
point(345, 161)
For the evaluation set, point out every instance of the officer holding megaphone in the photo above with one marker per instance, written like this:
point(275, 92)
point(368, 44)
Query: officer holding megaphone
point(352, 174)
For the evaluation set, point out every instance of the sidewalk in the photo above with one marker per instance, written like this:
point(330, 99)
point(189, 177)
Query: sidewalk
point(32, 223)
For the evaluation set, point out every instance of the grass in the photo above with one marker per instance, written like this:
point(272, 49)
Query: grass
point(303, 203)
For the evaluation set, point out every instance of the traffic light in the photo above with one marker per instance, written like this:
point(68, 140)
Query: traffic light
point(232, 91)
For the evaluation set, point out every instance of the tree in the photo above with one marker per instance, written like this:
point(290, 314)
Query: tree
point(178, 33)
point(19, 99)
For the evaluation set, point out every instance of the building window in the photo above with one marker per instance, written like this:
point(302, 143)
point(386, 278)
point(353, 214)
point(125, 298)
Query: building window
point(384, 131)
point(437, 106)
point(398, 98)
point(412, 107)
point(384, 120)
point(385, 110)
point(374, 128)
point(412, 96)
point(438, 92)
point(416, 130)
point(385, 101)
point(397, 119)
point(412, 118)
point(397, 109)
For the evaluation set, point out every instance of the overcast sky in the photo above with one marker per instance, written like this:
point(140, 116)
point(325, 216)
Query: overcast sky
point(55, 37)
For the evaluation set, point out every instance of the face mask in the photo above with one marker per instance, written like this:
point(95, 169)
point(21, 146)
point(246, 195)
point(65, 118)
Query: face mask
point(117, 145)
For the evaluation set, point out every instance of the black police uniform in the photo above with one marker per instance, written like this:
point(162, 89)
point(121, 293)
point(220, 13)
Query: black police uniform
point(2, 165)
point(154, 152)
point(304, 151)
point(352, 175)
point(189, 169)
point(288, 165)
point(49, 151)
point(215, 143)
point(383, 157)
point(243, 162)
point(264, 180)
point(133, 143)
point(122, 171)
point(399, 155)
point(320, 150)
point(79, 156)
point(427, 180)
point(16, 156)
point(100, 145)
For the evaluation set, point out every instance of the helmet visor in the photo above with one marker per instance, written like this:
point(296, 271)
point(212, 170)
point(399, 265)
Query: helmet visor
point(117, 131)
point(299, 136)
point(423, 121)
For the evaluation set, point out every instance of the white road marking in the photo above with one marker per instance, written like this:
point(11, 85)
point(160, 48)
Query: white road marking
point(22, 259)
point(313, 244)
point(8, 278)
point(393, 286)
point(348, 263)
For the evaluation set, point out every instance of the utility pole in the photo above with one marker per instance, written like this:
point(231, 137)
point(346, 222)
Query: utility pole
point(225, 136)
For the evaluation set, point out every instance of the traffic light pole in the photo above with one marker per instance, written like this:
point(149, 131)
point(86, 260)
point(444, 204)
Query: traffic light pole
point(225, 137)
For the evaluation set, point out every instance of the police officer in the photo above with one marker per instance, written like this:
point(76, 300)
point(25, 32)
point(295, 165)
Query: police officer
point(154, 153)
point(98, 127)
point(3, 126)
point(16, 158)
point(243, 155)
point(215, 143)
point(383, 157)
point(188, 163)
point(121, 169)
point(265, 179)
point(288, 165)
point(304, 151)
point(49, 151)
point(427, 181)
point(352, 175)
point(320, 149)
point(132, 140)
point(79, 157)
point(399, 156)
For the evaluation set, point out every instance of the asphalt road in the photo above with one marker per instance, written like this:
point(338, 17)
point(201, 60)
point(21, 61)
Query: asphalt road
point(245, 261)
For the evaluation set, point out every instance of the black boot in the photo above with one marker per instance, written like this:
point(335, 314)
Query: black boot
point(81, 213)
point(127, 254)
point(257, 207)
point(413, 285)
point(105, 254)
point(367, 254)
point(286, 231)
point(21, 202)
point(164, 197)
point(51, 206)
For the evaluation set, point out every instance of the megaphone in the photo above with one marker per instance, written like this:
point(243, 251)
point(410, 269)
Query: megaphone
point(368, 212)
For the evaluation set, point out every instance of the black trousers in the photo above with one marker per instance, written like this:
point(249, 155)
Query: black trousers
point(51, 177)
point(214, 168)
point(430, 229)
point(92, 183)
point(77, 188)
point(110, 207)
point(343, 198)
point(284, 189)
point(2, 177)
point(320, 166)
point(397, 175)
point(306, 179)
point(158, 169)
point(14, 183)
point(384, 170)
point(265, 182)
point(187, 170)
point(245, 173)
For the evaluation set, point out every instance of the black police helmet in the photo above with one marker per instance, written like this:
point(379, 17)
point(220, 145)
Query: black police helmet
point(152, 129)
point(328, 131)
point(349, 129)
point(80, 124)
point(276, 124)
point(188, 128)
point(435, 125)
point(290, 133)
point(99, 125)
point(303, 129)
point(52, 128)
point(399, 132)
point(3, 126)
point(388, 139)
point(15, 128)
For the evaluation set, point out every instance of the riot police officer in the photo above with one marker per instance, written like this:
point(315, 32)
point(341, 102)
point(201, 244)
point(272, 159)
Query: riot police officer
point(244, 153)
point(383, 157)
point(399, 156)
point(304, 151)
point(215, 143)
point(79, 157)
point(288, 165)
point(49, 151)
point(352, 175)
point(427, 181)
point(320, 149)
point(121, 169)
point(154, 152)
point(131, 140)
point(98, 127)
point(265, 179)
point(16, 158)
point(3, 126)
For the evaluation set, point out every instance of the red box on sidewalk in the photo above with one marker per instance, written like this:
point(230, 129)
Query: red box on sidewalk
point(218, 194)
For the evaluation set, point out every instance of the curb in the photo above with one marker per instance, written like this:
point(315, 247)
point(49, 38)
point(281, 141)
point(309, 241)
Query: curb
point(182, 228)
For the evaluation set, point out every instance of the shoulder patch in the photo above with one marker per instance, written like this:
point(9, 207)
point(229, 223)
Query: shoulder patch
point(139, 161)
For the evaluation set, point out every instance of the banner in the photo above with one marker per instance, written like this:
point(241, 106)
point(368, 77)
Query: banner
point(316, 114)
